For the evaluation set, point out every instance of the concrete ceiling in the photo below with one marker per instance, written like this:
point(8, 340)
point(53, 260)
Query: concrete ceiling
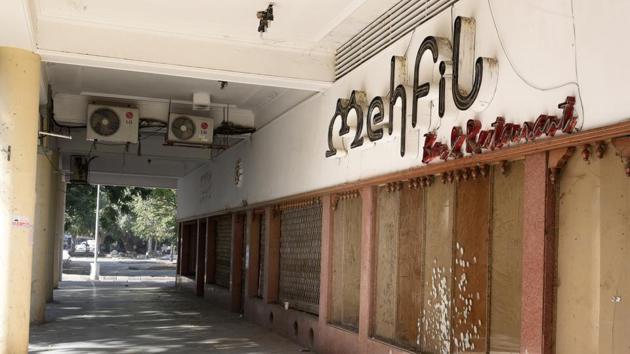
point(158, 49)
point(163, 49)
point(203, 39)
point(265, 102)
point(297, 23)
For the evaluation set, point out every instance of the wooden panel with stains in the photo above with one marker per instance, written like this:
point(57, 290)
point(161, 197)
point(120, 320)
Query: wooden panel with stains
point(387, 238)
point(435, 326)
point(410, 265)
point(506, 264)
point(346, 263)
point(470, 266)
point(593, 271)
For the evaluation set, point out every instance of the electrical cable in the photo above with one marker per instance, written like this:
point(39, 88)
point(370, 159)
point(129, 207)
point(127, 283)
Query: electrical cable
point(52, 164)
point(532, 85)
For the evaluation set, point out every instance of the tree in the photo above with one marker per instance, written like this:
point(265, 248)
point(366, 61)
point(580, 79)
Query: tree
point(116, 215)
point(79, 213)
point(154, 216)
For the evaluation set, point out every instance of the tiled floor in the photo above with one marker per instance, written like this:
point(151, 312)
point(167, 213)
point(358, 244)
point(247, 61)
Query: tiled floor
point(145, 317)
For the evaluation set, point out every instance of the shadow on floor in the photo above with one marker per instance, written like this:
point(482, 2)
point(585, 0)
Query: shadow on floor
point(145, 317)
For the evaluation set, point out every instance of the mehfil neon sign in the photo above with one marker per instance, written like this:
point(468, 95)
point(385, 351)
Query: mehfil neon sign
point(385, 118)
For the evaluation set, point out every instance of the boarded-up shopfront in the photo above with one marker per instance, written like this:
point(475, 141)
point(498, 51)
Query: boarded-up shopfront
point(435, 200)
point(448, 263)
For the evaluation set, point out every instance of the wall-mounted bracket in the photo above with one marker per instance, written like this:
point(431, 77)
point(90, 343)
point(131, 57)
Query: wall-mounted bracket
point(7, 150)
point(622, 145)
point(557, 160)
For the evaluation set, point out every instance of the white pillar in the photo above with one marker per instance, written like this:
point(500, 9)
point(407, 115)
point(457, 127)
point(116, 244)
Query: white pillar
point(19, 100)
point(94, 272)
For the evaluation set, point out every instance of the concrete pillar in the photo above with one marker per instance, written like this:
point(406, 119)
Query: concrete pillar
point(19, 99)
point(200, 273)
point(44, 235)
point(539, 250)
point(326, 263)
point(59, 231)
point(211, 251)
point(179, 252)
point(236, 271)
point(272, 256)
point(253, 260)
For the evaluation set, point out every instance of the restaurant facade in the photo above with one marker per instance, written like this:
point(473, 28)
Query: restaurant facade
point(465, 189)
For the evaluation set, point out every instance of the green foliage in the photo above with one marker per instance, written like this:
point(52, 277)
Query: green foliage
point(80, 205)
point(155, 216)
point(126, 212)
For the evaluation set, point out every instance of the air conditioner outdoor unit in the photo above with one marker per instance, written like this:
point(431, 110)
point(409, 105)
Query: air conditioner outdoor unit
point(190, 129)
point(115, 124)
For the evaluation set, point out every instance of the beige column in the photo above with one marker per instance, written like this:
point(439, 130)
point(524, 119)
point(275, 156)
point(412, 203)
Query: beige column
point(19, 98)
point(43, 240)
point(59, 230)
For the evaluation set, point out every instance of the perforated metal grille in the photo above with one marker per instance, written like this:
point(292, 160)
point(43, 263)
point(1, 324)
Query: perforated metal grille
point(300, 255)
point(386, 29)
point(224, 250)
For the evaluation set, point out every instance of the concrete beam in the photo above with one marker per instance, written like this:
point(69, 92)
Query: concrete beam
point(290, 77)
point(132, 180)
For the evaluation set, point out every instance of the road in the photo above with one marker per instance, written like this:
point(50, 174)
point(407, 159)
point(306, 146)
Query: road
point(119, 268)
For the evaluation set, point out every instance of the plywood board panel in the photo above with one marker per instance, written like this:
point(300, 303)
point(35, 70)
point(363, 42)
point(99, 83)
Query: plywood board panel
point(470, 269)
point(614, 297)
point(506, 267)
point(346, 267)
point(387, 234)
point(578, 258)
point(410, 265)
point(594, 247)
point(436, 304)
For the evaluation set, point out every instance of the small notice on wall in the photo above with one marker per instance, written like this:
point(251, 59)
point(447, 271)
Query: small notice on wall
point(21, 222)
point(205, 187)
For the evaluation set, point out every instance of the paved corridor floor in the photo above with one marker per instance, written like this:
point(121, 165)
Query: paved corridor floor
point(145, 317)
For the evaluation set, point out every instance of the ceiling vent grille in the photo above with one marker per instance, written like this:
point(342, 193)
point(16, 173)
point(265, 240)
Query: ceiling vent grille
point(389, 27)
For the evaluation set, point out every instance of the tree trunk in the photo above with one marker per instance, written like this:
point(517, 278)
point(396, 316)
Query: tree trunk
point(150, 247)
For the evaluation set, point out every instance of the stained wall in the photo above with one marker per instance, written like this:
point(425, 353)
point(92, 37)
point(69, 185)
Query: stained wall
point(593, 286)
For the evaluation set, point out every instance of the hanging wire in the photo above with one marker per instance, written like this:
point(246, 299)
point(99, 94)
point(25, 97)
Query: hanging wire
point(529, 83)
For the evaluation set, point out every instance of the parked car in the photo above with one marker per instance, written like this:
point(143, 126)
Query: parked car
point(81, 247)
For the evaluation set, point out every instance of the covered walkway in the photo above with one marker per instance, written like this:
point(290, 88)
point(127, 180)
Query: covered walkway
point(145, 317)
